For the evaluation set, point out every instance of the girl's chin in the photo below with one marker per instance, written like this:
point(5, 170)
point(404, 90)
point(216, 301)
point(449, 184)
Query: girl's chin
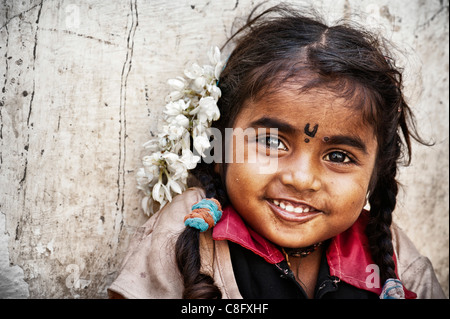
point(292, 241)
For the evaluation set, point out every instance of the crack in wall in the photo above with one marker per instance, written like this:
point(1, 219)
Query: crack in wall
point(9, 19)
point(431, 19)
point(120, 202)
point(15, 281)
point(84, 36)
point(30, 107)
point(2, 103)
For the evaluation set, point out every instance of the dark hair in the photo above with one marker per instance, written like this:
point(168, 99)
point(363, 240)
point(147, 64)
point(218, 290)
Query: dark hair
point(280, 45)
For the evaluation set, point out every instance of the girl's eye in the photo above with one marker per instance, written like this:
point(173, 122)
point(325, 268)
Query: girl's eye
point(338, 157)
point(271, 142)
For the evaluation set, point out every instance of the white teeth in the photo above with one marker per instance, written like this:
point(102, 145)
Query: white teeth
point(291, 208)
point(298, 210)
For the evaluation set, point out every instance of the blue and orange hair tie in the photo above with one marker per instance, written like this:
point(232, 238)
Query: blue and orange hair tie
point(204, 215)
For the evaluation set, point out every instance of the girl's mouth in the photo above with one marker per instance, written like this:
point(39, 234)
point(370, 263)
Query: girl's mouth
point(293, 211)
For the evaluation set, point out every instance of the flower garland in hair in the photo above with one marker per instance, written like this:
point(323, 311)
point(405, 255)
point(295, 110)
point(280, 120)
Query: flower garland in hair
point(191, 107)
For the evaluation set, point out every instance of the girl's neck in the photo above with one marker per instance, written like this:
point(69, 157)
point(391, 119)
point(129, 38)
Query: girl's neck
point(306, 269)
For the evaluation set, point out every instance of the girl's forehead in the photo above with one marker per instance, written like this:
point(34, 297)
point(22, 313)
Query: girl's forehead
point(316, 101)
point(333, 113)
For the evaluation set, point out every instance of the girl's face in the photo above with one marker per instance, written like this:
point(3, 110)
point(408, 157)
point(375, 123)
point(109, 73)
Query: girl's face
point(324, 156)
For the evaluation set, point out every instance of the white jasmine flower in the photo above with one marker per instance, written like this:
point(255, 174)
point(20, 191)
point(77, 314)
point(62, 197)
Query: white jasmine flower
point(174, 185)
point(190, 109)
point(184, 142)
point(174, 108)
point(178, 120)
point(214, 55)
point(175, 95)
point(150, 169)
point(148, 173)
point(178, 84)
point(175, 132)
point(218, 69)
point(177, 169)
point(194, 71)
point(201, 143)
point(208, 108)
point(143, 180)
point(199, 84)
point(214, 91)
point(167, 193)
point(182, 178)
point(189, 159)
point(169, 157)
point(154, 158)
point(215, 59)
point(158, 192)
point(208, 73)
point(163, 141)
point(199, 128)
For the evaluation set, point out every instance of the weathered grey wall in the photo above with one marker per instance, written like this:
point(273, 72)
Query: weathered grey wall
point(84, 81)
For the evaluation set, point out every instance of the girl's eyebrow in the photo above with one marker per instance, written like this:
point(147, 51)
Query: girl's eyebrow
point(353, 141)
point(269, 122)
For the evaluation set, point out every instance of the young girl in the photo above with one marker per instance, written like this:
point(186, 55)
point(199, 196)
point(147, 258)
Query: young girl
point(304, 229)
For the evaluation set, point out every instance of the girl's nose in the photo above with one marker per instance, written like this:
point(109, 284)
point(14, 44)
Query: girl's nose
point(302, 174)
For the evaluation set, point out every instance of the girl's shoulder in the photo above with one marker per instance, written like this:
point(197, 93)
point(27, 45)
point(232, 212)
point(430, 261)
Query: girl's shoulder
point(415, 270)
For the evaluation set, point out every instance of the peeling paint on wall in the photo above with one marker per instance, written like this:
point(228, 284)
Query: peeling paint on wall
point(81, 87)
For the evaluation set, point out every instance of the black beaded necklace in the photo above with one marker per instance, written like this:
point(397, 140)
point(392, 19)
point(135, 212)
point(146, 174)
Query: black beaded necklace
point(301, 252)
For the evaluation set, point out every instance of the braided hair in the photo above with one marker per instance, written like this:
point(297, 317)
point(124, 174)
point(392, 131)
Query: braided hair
point(198, 285)
point(280, 45)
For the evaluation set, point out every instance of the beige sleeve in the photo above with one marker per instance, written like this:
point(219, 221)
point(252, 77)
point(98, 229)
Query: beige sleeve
point(415, 270)
point(149, 269)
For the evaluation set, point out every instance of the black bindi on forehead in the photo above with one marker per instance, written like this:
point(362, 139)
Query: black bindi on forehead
point(309, 132)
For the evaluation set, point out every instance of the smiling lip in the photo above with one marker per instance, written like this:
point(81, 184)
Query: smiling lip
point(293, 216)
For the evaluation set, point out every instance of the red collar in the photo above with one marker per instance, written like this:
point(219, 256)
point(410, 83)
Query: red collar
point(348, 255)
